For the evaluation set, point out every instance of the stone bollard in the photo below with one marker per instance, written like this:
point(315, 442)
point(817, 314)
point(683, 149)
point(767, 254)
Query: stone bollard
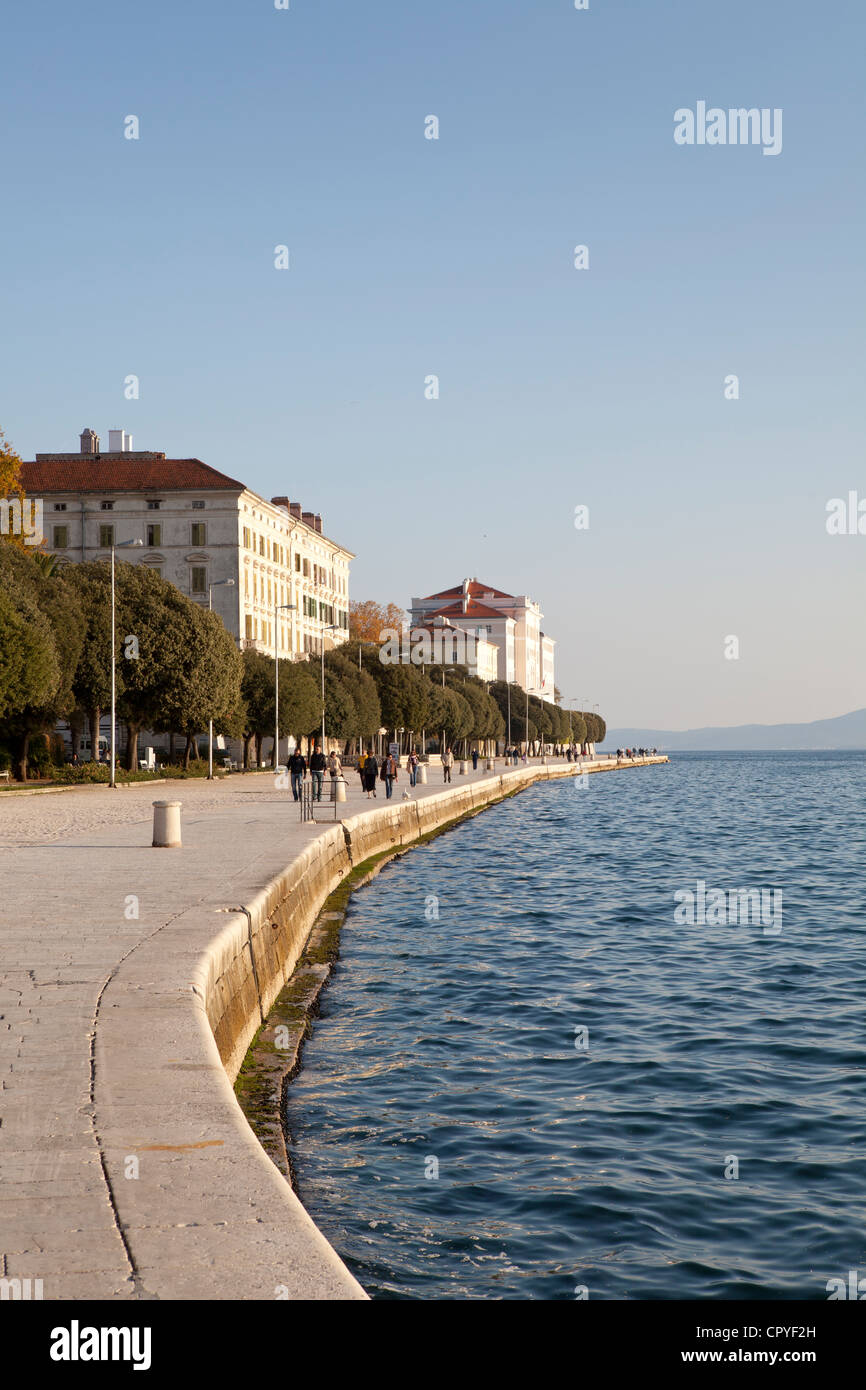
point(166, 825)
point(422, 774)
point(491, 766)
point(339, 789)
point(463, 766)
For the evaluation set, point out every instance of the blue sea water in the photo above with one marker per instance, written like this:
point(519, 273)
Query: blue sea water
point(455, 1134)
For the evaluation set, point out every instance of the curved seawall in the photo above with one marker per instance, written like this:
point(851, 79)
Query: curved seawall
point(231, 1227)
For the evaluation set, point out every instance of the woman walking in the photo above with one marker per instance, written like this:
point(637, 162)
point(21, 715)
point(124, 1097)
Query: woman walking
point(388, 774)
point(371, 772)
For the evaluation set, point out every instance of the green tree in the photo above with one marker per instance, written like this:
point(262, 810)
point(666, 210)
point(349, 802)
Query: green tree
point(53, 606)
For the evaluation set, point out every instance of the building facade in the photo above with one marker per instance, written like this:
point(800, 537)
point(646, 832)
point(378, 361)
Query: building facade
point(199, 528)
point(510, 622)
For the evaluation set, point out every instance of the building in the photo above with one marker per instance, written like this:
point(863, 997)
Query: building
point(199, 528)
point(510, 622)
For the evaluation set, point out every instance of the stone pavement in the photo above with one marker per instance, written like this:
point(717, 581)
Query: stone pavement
point(81, 891)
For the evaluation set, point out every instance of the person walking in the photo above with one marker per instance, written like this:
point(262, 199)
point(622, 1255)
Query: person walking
point(298, 770)
point(474, 759)
point(388, 774)
point(335, 768)
point(447, 764)
point(412, 763)
point(371, 772)
point(318, 762)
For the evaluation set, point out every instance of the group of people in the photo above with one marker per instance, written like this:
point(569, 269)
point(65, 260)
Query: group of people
point(319, 763)
point(636, 752)
point(371, 770)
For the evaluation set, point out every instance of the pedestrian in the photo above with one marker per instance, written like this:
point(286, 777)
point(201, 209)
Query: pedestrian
point(412, 764)
point(474, 759)
point(371, 772)
point(318, 763)
point(447, 764)
point(335, 768)
point(298, 770)
point(388, 774)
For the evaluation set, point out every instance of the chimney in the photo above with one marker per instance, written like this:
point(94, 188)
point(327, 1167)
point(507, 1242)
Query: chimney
point(119, 442)
point(280, 502)
point(295, 510)
point(89, 442)
point(309, 519)
point(318, 523)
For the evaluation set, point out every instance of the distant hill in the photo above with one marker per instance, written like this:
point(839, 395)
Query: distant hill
point(846, 731)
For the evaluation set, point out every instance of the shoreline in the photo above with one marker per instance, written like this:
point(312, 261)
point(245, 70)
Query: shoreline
point(272, 1062)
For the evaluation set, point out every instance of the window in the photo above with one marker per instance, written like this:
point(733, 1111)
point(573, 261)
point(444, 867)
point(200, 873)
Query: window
point(248, 544)
point(154, 506)
point(298, 563)
point(198, 506)
point(61, 537)
point(307, 568)
point(248, 626)
point(107, 506)
point(60, 506)
point(198, 533)
point(154, 535)
point(106, 537)
point(198, 579)
point(261, 545)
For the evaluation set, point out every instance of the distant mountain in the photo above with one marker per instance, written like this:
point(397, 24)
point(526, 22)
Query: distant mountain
point(846, 731)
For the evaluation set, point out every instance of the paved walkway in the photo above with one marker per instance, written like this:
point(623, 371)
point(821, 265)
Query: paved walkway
point(81, 889)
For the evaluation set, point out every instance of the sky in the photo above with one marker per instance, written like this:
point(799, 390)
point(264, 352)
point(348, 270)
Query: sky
point(410, 257)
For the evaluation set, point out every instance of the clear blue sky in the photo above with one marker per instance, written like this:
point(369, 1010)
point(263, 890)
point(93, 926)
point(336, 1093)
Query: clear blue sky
point(411, 257)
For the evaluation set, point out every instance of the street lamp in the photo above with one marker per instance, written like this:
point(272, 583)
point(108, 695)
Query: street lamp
point(277, 608)
point(330, 627)
point(120, 545)
point(218, 583)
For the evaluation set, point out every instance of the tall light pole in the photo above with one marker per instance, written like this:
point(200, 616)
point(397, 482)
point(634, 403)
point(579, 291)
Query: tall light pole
point(277, 608)
point(217, 584)
point(330, 627)
point(120, 545)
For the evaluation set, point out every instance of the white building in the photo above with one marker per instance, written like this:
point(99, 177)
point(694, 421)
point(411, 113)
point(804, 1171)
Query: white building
point(199, 527)
point(511, 622)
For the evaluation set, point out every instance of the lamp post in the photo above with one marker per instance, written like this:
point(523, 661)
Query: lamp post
point(120, 545)
point(277, 608)
point(330, 627)
point(217, 584)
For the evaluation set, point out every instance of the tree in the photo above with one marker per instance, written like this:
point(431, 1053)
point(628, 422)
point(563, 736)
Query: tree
point(362, 688)
point(53, 608)
point(367, 619)
point(300, 700)
point(208, 675)
point(91, 684)
point(10, 486)
point(404, 696)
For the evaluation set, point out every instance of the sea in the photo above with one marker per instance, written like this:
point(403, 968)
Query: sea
point(605, 1040)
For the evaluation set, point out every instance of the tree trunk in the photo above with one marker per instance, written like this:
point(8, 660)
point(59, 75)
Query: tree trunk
point(258, 750)
point(172, 748)
point(187, 750)
point(247, 739)
point(21, 758)
point(130, 761)
point(94, 714)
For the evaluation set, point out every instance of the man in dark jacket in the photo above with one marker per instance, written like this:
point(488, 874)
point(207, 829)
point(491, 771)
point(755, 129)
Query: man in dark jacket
point(318, 763)
point(298, 770)
point(371, 772)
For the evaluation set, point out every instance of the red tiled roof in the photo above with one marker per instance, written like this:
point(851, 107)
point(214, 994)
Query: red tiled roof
point(86, 473)
point(472, 610)
point(476, 590)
